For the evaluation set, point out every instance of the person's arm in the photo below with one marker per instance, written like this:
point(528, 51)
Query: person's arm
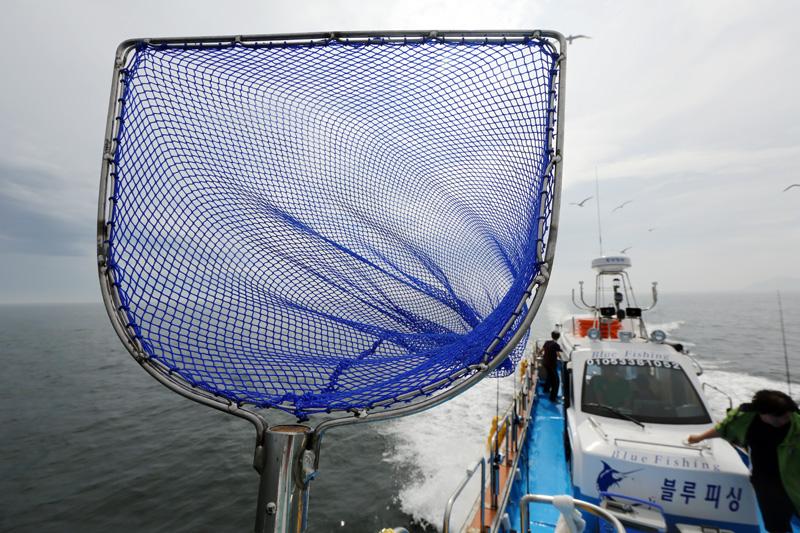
point(710, 434)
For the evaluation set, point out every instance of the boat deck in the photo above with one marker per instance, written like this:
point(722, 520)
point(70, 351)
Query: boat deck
point(542, 469)
point(544, 472)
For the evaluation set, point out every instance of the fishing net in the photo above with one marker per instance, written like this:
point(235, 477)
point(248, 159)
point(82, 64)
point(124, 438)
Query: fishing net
point(328, 224)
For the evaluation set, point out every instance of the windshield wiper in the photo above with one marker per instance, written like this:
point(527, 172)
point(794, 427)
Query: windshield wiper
point(615, 411)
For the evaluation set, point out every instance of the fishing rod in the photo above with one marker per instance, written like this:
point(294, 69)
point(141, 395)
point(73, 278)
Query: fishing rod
point(785, 353)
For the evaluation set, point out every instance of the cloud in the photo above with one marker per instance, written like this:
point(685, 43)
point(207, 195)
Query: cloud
point(37, 215)
point(689, 106)
point(712, 230)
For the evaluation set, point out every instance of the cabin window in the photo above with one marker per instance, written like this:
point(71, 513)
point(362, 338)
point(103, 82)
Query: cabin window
point(647, 390)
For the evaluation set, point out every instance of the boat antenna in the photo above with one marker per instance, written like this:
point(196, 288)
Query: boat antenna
point(785, 353)
point(597, 193)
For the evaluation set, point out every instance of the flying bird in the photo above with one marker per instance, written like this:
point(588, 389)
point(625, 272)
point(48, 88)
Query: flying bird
point(622, 205)
point(583, 202)
point(790, 186)
point(651, 229)
point(625, 250)
point(573, 37)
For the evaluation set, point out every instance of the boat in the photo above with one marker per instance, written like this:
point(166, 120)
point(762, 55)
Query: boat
point(625, 452)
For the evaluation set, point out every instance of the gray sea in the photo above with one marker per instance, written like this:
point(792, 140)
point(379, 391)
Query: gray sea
point(89, 442)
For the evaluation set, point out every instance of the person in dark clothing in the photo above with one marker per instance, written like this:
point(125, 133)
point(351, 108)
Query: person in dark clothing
point(550, 358)
point(770, 428)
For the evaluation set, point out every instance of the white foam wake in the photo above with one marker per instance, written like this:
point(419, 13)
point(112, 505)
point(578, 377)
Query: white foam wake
point(432, 451)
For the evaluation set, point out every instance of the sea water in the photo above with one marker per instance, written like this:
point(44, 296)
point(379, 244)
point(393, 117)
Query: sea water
point(89, 442)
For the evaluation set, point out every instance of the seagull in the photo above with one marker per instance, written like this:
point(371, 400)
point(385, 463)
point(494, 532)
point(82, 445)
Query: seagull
point(583, 202)
point(790, 186)
point(573, 37)
point(625, 250)
point(622, 205)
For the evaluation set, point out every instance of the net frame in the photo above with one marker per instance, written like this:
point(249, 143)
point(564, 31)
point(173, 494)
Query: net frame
point(414, 401)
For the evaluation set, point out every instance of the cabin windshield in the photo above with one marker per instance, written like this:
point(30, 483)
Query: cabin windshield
point(659, 392)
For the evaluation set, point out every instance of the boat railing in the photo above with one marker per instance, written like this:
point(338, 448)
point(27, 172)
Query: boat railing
point(508, 437)
point(622, 306)
point(730, 400)
point(586, 506)
point(457, 493)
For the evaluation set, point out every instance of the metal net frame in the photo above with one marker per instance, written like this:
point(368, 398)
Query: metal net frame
point(330, 222)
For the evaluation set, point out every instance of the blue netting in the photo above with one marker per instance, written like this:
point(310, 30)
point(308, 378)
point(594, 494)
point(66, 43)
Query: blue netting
point(318, 227)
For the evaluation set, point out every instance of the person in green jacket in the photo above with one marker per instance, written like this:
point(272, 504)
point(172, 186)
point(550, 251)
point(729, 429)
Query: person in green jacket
point(770, 428)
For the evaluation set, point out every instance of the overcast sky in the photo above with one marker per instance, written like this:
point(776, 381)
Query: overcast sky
point(687, 109)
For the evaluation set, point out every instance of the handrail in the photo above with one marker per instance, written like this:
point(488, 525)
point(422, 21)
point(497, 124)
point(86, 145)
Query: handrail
point(586, 506)
point(494, 448)
point(604, 494)
point(698, 368)
point(502, 499)
point(528, 389)
point(457, 493)
point(730, 401)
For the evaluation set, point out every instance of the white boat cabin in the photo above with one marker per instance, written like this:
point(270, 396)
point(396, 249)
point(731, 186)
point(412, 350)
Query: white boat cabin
point(631, 400)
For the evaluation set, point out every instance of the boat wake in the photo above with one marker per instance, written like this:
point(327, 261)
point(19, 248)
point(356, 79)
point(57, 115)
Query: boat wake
point(430, 451)
point(740, 387)
point(667, 327)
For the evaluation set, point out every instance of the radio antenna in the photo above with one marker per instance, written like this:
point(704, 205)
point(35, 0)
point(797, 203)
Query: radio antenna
point(597, 193)
point(785, 353)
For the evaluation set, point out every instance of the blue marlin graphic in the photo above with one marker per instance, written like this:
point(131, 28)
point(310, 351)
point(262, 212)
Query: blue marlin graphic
point(609, 477)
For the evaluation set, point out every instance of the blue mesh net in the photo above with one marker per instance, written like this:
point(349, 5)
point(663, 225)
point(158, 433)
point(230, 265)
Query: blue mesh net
point(318, 226)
